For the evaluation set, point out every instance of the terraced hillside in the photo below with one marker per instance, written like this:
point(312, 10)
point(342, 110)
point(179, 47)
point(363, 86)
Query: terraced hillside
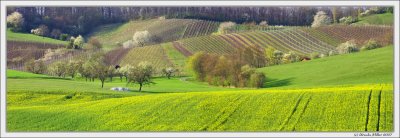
point(360, 33)
point(154, 54)
point(284, 40)
point(163, 30)
point(18, 52)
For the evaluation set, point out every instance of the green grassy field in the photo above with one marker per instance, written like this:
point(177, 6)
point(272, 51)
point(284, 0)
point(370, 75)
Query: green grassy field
point(31, 38)
point(374, 66)
point(379, 19)
point(21, 81)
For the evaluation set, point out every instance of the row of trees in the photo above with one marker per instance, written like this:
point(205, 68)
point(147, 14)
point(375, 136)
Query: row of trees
point(81, 20)
point(95, 67)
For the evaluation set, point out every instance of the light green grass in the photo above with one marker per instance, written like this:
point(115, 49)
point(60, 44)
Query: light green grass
point(374, 66)
point(377, 19)
point(313, 110)
point(32, 38)
point(22, 81)
point(177, 58)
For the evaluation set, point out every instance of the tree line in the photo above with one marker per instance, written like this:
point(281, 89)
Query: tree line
point(81, 20)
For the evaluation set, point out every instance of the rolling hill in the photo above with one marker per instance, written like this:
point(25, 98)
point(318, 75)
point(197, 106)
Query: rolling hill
point(374, 66)
point(162, 30)
point(377, 19)
point(301, 40)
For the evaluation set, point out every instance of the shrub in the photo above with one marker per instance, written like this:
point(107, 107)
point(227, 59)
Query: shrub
point(93, 43)
point(263, 23)
point(371, 44)
point(347, 47)
point(128, 44)
point(42, 30)
point(70, 43)
point(332, 53)
point(63, 37)
point(35, 66)
point(290, 57)
point(257, 80)
point(278, 55)
point(348, 20)
point(55, 33)
point(78, 42)
point(226, 27)
point(314, 55)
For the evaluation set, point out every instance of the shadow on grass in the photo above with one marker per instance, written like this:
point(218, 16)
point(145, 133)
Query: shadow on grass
point(277, 82)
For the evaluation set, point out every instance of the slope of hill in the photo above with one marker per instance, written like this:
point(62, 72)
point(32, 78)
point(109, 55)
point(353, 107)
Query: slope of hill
point(378, 19)
point(284, 40)
point(162, 30)
point(360, 33)
point(22, 37)
point(300, 40)
point(374, 66)
point(154, 54)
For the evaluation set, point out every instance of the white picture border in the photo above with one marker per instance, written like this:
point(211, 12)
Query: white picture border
point(4, 4)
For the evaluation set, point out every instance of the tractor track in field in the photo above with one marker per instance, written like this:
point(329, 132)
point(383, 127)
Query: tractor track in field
point(293, 111)
point(301, 114)
point(221, 119)
point(368, 106)
point(379, 109)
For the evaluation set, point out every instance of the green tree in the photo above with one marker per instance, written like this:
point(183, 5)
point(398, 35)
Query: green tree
point(269, 55)
point(141, 74)
point(59, 69)
point(194, 65)
point(73, 67)
point(111, 72)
